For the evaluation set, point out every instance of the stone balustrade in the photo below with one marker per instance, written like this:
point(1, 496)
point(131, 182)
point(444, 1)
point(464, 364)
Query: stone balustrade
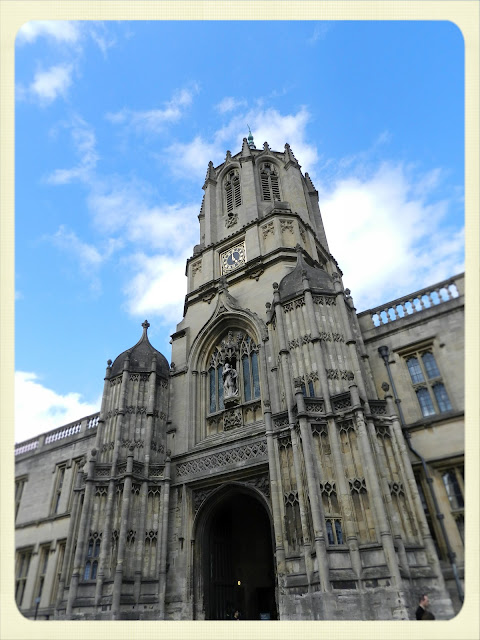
point(66, 431)
point(415, 302)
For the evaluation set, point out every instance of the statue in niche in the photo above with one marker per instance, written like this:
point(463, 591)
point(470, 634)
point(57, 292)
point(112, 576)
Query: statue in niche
point(229, 375)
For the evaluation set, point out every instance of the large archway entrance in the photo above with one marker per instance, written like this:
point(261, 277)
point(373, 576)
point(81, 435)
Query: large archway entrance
point(237, 561)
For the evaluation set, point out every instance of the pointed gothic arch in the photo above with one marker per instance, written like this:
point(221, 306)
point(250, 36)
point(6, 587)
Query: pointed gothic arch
point(226, 575)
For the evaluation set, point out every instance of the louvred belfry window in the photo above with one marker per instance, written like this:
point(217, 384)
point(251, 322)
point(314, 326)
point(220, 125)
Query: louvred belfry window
point(269, 182)
point(233, 194)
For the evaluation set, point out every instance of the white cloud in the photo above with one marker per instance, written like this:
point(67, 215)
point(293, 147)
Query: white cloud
point(39, 409)
point(58, 30)
point(389, 233)
point(267, 125)
point(158, 287)
point(48, 85)
point(155, 120)
point(125, 208)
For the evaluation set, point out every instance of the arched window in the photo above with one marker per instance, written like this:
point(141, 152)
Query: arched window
point(86, 574)
point(269, 182)
point(233, 371)
point(233, 194)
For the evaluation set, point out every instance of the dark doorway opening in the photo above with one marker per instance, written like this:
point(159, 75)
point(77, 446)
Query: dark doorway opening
point(238, 568)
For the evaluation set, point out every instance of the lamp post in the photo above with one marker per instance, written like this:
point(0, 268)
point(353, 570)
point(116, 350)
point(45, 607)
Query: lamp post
point(384, 353)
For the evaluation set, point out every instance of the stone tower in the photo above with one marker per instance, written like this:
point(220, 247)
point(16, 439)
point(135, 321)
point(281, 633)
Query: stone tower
point(116, 541)
point(260, 471)
point(291, 486)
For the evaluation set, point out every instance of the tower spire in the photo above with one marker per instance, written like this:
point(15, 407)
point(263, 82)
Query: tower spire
point(251, 143)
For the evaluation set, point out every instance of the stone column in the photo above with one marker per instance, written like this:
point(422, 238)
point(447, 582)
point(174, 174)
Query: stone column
point(275, 489)
point(387, 496)
point(140, 542)
point(322, 376)
point(82, 534)
point(284, 355)
point(375, 492)
point(164, 539)
point(101, 417)
point(71, 534)
point(122, 537)
point(313, 492)
point(410, 478)
point(343, 495)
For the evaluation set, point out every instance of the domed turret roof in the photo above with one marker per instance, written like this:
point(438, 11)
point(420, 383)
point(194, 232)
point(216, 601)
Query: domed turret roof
point(319, 280)
point(141, 357)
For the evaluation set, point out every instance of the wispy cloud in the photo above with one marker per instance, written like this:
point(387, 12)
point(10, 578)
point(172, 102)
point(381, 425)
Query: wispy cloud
point(67, 39)
point(320, 30)
point(230, 104)
point(58, 30)
point(39, 409)
point(48, 85)
point(155, 120)
point(85, 147)
point(87, 258)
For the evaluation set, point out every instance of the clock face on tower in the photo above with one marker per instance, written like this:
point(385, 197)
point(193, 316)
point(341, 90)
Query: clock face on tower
point(233, 258)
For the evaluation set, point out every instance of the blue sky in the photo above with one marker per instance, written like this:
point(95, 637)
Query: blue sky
point(116, 123)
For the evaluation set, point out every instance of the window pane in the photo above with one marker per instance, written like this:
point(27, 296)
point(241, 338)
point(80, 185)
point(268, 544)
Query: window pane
point(220, 387)
point(441, 397)
point(461, 527)
point(246, 378)
point(256, 379)
point(426, 403)
point(430, 365)
point(453, 489)
point(415, 371)
point(86, 575)
point(213, 400)
point(331, 539)
point(94, 570)
point(311, 391)
point(338, 531)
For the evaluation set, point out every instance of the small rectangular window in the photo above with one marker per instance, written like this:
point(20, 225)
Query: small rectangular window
point(57, 492)
point(22, 566)
point(426, 379)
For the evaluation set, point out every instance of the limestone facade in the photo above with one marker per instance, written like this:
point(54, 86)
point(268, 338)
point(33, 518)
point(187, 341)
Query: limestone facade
point(265, 468)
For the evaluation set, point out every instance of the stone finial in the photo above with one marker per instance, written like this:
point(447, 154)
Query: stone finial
point(246, 148)
point(385, 387)
point(228, 157)
point(289, 157)
point(211, 175)
point(266, 147)
point(275, 286)
point(145, 325)
point(109, 363)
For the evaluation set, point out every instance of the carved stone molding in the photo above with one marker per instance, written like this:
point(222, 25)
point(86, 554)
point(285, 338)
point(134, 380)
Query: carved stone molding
point(223, 458)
